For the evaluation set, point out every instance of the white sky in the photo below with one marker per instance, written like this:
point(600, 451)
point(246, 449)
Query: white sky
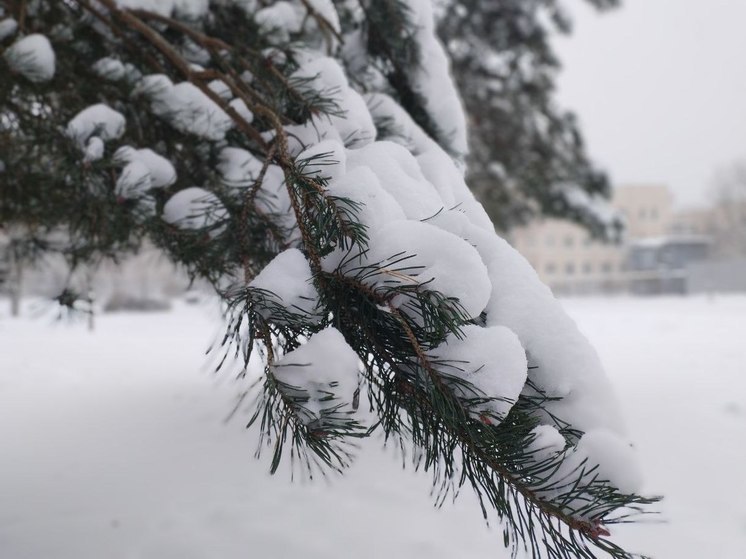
point(660, 89)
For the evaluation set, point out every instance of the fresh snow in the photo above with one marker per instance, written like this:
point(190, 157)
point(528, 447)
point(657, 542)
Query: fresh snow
point(186, 107)
point(425, 229)
point(99, 120)
point(134, 180)
point(433, 75)
point(238, 167)
point(493, 361)
point(416, 254)
point(186, 9)
point(8, 26)
point(326, 368)
point(110, 68)
point(193, 208)
point(114, 445)
point(160, 169)
point(420, 211)
point(32, 56)
point(94, 149)
point(288, 278)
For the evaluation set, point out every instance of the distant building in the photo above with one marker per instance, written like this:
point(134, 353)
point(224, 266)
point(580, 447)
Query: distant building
point(570, 262)
point(700, 221)
point(721, 276)
point(647, 209)
point(661, 264)
point(664, 250)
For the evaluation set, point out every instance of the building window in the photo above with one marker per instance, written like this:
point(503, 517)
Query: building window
point(654, 214)
point(569, 241)
point(550, 268)
point(570, 268)
point(607, 267)
point(643, 213)
point(587, 268)
point(550, 240)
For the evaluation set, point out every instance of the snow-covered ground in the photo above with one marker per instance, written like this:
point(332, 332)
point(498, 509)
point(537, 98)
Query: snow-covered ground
point(113, 445)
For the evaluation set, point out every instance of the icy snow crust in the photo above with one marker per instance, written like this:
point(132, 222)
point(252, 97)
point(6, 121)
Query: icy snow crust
point(424, 226)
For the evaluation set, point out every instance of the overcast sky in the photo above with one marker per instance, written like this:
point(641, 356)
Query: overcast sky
point(660, 88)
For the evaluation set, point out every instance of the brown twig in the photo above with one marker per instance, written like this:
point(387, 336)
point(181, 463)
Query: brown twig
point(22, 15)
point(325, 25)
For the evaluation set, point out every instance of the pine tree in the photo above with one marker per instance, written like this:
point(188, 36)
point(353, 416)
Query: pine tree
point(527, 158)
point(302, 158)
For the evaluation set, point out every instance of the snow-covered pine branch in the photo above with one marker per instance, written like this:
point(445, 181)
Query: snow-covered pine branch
point(303, 157)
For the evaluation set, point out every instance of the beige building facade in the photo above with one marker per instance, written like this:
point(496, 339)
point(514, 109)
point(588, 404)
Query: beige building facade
point(569, 261)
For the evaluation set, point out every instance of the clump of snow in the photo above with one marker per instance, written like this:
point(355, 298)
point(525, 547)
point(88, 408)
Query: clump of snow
point(100, 120)
point(324, 160)
point(185, 107)
point(361, 185)
point(616, 459)
point(8, 27)
point(400, 175)
point(566, 366)
point(400, 127)
point(437, 166)
point(327, 12)
point(433, 75)
point(110, 68)
point(282, 19)
point(134, 180)
point(411, 253)
point(162, 7)
point(325, 367)
point(492, 360)
point(599, 455)
point(221, 88)
point(160, 169)
point(239, 105)
point(194, 208)
point(238, 167)
point(279, 20)
point(273, 199)
point(190, 9)
point(350, 123)
point(94, 149)
point(547, 443)
point(288, 278)
point(33, 57)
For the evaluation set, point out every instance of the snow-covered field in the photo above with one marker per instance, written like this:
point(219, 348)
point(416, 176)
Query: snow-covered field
point(113, 445)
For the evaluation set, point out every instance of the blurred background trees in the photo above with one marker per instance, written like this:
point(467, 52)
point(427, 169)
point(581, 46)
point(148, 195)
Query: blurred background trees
point(527, 156)
point(729, 204)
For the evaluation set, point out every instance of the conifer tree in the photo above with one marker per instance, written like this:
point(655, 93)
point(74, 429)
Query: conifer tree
point(527, 157)
point(303, 158)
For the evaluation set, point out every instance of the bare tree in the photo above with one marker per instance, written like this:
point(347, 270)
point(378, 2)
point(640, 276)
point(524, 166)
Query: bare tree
point(729, 193)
